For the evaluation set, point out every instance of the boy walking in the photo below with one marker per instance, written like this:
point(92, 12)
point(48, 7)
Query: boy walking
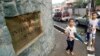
point(69, 31)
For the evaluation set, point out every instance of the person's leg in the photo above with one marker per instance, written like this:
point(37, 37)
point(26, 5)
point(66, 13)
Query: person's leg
point(93, 42)
point(88, 41)
point(91, 38)
point(72, 47)
point(68, 45)
point(89, 47)
point(87, 36)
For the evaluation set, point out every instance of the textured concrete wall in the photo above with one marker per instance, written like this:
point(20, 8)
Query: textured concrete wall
point(11, 8)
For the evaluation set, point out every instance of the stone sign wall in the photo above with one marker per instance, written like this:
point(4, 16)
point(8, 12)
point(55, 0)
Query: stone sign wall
point(18, 24)
point(24, 28)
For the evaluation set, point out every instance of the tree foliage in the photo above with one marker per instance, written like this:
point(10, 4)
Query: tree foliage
point(80, 4)
point(97, 2)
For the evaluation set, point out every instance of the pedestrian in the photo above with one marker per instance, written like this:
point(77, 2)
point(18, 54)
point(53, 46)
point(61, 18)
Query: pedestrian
point(69, 31)
point(92, 24)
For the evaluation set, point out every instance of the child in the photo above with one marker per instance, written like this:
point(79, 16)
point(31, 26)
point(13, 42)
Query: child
point(69, 31)
point(93, 22)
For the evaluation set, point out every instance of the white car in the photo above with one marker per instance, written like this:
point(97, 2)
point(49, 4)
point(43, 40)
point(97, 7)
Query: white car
point(65, 18)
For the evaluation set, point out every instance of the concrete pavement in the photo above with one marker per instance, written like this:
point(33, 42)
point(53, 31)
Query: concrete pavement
point(79, 49)
point(61, 44)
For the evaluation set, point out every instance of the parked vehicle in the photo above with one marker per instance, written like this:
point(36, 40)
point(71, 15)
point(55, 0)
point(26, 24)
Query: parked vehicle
point(57, 16)
point(98, 13)
point(65, 16)
point(83, 21)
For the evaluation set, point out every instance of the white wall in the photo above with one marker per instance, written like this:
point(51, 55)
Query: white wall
point(80, 11)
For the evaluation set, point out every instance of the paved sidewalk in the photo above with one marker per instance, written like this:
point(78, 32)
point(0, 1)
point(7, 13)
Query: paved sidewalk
point(79, 48)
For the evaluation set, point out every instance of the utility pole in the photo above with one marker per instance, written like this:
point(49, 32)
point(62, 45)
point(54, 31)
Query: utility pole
point(93, 6)
point(89, 8)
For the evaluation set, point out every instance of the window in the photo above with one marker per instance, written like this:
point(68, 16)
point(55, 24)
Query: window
point(23, 29)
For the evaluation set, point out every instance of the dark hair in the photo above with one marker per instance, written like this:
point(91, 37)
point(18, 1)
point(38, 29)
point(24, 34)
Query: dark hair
point(70, 19)
point(94, 13)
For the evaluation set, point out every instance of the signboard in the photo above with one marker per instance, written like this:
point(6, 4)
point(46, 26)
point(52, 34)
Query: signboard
point(24, 29)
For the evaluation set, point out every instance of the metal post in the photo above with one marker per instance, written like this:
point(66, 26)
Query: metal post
point(92, 5)
point(89, 7)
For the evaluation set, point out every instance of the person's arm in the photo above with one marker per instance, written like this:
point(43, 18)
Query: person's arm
point(66, 31)
point(98, 23)
point(75, 30)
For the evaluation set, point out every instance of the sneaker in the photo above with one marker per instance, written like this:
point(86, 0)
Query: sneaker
point(92, 48)
point(85, 43)
point(89, 48)
point(72, 53)
point(91, 43)
point(68, 52)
